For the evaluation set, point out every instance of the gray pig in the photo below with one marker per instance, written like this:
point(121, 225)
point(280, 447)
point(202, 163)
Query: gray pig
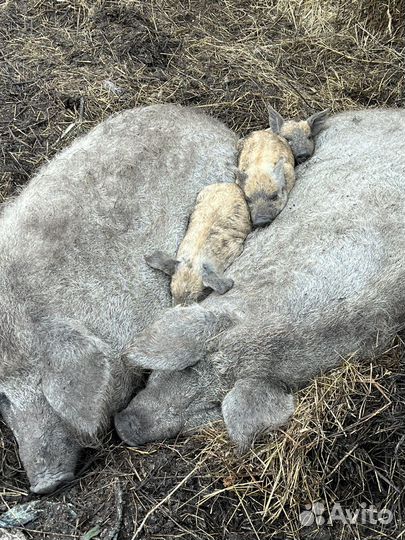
point(74, 287)
point(325, 281)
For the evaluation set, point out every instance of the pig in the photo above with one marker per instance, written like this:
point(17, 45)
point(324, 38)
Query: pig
point(215, 236)
point(325, 282)
point(74, 288)
point(300, 135)
point(266, 162)
point(266, 165)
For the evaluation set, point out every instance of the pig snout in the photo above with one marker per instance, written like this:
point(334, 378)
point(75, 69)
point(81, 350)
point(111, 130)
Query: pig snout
point(47, 448)
point(46, 468)
point(48, 482)
point(137, 426)
point(301, 157)
point(151, 416)
point(261, 220)
point(264, 210)
point(263, 216)
point(129, 429)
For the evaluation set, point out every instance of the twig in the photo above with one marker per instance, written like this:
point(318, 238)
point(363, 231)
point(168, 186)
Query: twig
point(119, 504)
point(81, 109)
point(165, 499)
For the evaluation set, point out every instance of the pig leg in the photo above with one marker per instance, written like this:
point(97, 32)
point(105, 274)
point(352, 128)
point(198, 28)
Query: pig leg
point(254, 405)
point(47, 450)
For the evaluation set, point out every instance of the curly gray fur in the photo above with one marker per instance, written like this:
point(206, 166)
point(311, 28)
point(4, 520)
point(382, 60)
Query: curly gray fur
point(325, 281)
point(74, 287)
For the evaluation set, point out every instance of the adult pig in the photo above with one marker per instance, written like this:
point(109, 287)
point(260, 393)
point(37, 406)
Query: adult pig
point(74, 286)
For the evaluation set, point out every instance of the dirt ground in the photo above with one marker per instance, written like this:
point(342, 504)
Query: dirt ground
point(66, 65)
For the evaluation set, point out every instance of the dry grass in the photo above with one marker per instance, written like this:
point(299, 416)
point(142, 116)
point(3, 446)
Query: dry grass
point(66, 65)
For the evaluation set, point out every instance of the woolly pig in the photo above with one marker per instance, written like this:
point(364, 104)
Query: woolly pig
point(266, 175)
point(217, 230)
point(325, 281)
point(298, 134)
point(266, 163)
point(74, 287)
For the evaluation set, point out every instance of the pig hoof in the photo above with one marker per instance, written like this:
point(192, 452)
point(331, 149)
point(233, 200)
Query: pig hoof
point(48, 484)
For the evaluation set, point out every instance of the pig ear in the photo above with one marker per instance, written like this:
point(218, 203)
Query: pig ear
point(163, 262)
point(275, 120)
point(78, 380)
point(317, 121)
point(178, 339)
point(279, 175)
point(211, 279)
point(254, 405)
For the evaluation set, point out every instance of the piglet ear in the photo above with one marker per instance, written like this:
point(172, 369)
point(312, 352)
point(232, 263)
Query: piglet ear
point(254, 405)
point(163, 262)
point(316, 121)
point(78, 379)
point(217, 283)
point(275, 119)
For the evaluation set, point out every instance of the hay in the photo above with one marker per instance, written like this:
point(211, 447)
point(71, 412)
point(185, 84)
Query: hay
point(66, 65)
